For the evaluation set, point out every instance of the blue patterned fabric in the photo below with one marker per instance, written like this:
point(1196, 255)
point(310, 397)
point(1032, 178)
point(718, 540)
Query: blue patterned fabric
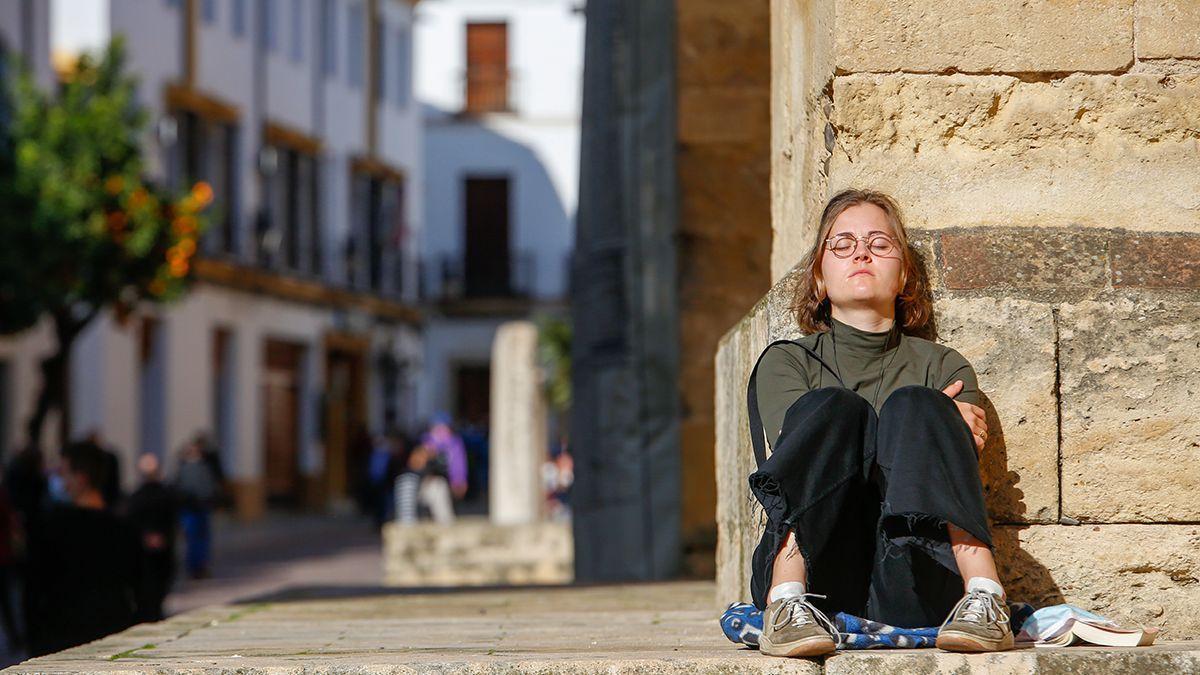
point(742, 624)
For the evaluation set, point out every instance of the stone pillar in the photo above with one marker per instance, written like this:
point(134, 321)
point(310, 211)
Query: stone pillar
point(518, 444)
point(724, 165)
point(624, 304)
point(1044, 155)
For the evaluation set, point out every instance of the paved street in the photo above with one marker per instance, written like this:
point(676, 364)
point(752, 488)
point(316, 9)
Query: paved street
point(633, 628)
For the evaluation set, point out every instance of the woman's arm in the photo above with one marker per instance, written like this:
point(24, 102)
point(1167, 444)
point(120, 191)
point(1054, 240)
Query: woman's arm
point(781, 380)
point(955, 367)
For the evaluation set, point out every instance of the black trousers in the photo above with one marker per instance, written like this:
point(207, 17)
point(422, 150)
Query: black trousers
point(869, 496)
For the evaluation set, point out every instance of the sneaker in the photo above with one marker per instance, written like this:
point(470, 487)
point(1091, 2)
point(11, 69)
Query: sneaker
point(978, 623)
point(793, 627)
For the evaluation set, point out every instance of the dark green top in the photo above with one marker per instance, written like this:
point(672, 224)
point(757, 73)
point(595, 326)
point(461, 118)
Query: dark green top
point(786, 371)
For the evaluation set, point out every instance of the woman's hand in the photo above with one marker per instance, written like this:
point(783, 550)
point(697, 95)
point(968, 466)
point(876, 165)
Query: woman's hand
point(973, 415)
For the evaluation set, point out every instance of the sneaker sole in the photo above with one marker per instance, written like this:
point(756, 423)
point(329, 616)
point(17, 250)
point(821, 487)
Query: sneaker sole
point(956, 641)
point(813, 646)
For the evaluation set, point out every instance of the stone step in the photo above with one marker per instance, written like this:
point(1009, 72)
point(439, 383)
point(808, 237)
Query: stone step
point(633, 628)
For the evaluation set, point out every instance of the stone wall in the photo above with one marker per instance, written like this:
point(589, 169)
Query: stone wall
point(723, 160)
point(1047, 157)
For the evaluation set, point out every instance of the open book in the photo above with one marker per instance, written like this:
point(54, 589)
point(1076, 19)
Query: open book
point(1063, 625)
point(1088, 633)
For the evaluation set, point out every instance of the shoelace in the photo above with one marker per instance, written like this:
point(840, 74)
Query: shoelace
point(979, 606)
point(794, 608)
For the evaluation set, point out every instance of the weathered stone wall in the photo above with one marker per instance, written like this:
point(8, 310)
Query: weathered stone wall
point(1047, 157)
point(723, 160)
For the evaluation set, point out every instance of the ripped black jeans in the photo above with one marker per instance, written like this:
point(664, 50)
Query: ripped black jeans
point(869, 496)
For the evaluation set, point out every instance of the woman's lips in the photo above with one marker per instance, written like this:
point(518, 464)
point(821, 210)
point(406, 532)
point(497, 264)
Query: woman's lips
point(862, 272)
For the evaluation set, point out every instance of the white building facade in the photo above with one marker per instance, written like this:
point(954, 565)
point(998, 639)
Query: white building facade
point(302, 332)
point(500, 84)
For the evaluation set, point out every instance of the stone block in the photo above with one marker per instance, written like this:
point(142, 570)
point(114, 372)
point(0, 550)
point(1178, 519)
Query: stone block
point(475, 552)
point(1041, 259)
point(1167, 29)
point(1082, 151)
point(1134, 574)
point(979, 36)
point(723, 43)
point(1156, 260)
point(1130, 376)
point(723, 114)
point(1010, 343)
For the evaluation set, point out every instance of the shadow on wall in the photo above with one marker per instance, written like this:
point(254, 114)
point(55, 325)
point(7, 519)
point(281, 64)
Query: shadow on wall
point(1024, 578)
point(540, 229)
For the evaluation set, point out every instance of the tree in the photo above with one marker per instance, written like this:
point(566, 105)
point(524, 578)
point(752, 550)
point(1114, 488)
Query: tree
point(82, 228)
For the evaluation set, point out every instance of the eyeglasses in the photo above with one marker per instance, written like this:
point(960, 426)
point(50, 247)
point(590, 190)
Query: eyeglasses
point(845, 245)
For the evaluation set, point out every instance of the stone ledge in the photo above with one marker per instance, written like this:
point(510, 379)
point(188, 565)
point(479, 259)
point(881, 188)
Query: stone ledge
point(637, 628)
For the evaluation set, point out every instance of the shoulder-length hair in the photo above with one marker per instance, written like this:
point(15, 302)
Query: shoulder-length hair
point(810, 302)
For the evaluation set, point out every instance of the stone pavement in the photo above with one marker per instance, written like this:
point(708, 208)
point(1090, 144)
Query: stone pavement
point(633, 628)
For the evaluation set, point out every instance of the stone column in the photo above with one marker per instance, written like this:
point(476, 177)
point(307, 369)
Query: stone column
point(1044, 156)
point(518, 426)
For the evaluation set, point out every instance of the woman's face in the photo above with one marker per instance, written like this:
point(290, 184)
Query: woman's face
point(863, 278)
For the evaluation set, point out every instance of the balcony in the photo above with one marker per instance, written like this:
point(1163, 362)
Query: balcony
point(487, 89)
point(495, 284)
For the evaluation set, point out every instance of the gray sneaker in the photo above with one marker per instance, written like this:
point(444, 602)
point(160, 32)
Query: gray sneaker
point(978, 623)
point(793, 627)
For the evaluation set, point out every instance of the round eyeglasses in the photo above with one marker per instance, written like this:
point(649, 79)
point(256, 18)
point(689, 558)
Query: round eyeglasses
point(845, 245)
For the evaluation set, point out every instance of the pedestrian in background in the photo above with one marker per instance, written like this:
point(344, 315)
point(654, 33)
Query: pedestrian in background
point(196, 487)
point(84, 562)
point(153, 510)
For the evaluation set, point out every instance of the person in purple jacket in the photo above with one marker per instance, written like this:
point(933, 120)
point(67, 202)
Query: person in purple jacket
point(449, 455)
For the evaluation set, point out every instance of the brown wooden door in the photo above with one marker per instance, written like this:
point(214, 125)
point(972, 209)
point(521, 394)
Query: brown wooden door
point(487, 67)
point(281, 417)
point(344, 418)
point(487, 264)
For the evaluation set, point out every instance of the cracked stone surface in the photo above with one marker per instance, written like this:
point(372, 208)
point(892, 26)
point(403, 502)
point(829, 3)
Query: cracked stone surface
point(635, 628)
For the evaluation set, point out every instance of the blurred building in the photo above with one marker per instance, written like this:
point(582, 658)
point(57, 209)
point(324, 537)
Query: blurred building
point(499, 82)
point(302, 331)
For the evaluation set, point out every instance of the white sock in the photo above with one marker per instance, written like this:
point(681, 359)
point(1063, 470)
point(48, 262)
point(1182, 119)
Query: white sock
point(984, 583)
point(787, 589)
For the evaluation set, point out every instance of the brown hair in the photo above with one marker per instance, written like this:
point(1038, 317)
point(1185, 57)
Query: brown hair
point(914, 304)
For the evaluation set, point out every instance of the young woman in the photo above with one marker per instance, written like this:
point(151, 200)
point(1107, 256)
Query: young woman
point(872, 493)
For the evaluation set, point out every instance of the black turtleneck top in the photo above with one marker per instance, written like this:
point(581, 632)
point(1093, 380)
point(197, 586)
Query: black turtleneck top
point(786, 371)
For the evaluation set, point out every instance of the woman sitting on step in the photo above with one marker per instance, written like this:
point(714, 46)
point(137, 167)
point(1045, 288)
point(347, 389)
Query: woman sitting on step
point(872, 494)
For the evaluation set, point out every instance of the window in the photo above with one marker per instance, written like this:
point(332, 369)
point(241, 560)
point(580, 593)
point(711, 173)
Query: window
point(377, 219)
point(292, 211)
point(297, 43)
point(268, 30)
point(487, 267)
point(208, 10)
point(238, 10)
point(487, 67)
point(403, 68)
point(329, 38)
point(356, 34)
point(207, 150)
point(378, 60)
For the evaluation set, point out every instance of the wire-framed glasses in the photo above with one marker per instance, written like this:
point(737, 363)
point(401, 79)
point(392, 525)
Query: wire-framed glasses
point(844, 245)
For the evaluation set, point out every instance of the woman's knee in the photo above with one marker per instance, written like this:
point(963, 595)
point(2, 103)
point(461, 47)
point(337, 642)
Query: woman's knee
point(912, 396)
point(841, 396)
